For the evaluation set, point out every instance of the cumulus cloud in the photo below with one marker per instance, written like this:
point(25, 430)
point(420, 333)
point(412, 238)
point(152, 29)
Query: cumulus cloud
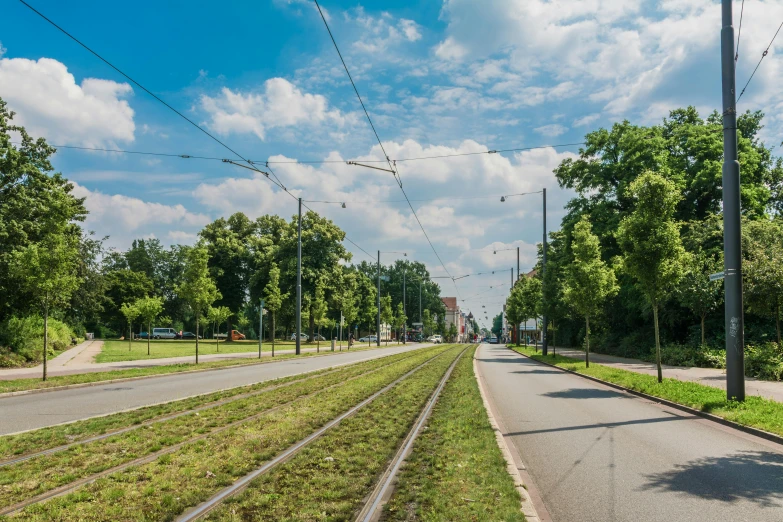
point(586, 120)
point(380, 33)
point(551, 130)
point(279, 104)
point(50, 103)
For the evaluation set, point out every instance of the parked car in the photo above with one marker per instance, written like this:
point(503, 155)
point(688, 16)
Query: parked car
point(318, 337)
point(235, 336)
point(437, 339)
point(142, 335)
point(493, 340)
point(368, 339)
point(187, 335)
point(164, 333)
point(302, 337)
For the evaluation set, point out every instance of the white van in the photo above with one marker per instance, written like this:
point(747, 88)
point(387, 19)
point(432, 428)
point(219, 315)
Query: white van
point(164, 333)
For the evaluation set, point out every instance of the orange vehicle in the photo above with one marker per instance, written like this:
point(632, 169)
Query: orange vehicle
point(235, 336)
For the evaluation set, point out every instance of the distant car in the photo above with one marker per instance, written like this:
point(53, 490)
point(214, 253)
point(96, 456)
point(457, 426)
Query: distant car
point(187, 335)
point(164, 333)
point(493, 340)
point(318, 337)
point(302, 337)
point(368, 339)
point(235, 336)
point(437, 339)
point(142, 335)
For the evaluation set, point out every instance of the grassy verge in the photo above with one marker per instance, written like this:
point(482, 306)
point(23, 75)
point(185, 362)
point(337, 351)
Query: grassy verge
point(87, 378)
point(114, 351)
point(53, 436)
point(754, 411)
point(456, 471)
point(329, 479)
point(173, 482)
point(38, 475)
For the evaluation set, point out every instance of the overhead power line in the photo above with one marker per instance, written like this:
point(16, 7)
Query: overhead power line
point(739, 33)
point(766, 51)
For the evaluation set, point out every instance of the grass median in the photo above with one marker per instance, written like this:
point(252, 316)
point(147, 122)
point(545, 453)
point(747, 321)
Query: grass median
point(173, 482)
point(755, 411)
point(329, 478)
point(38, 475)
point(16, 385)
point(456, 471)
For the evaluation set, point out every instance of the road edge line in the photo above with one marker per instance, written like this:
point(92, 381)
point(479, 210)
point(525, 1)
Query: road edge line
point(526, 501)
point(757, 432)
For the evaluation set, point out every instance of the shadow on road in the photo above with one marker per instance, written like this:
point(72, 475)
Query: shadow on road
point(549, 372)
point(599, 425)
point(756, 476)
point(584, 393)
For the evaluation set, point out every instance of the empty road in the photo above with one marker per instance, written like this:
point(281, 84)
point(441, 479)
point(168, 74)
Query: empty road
point(38, 410)
point(597, 454)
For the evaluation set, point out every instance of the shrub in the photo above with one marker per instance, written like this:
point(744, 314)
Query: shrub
point(764, 361)
point(22, 338)
point(686, 355)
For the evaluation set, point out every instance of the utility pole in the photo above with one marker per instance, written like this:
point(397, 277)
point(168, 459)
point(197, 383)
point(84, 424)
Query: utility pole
point(732, 247)
point(299, 281)
point(544, 321)
point(517, 263)
point(422, 328)
point(378, 324)
point(405, 326)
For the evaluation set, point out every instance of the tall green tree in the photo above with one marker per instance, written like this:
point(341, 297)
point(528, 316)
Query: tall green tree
point(131, 313)
point(516, 311)
point(763, 269)
point(387, 314)
point(197, 287)
point(149, 309)
point(273, 298)
point(368, 309)
point(497, 325)
point(650, 240)
point(441, 323)
point(428, 324)
point(47, 272)
point(695, 291)
point(589, 281)
point(400, 320)
point(217, 315)
point(318, 310)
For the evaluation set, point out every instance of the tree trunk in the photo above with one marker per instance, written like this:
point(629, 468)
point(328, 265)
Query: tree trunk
point(228, 331)
point(217, 339)
point(554, 338)
point(149, 336)
point(587, 336)
point(46, 340)
point(198, 320)
point(318, 341)
point(657, 344)
point(273, 333)
point(702, 329)
point(130, 335)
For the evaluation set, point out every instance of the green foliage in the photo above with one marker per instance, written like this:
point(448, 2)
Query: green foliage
point(497, 325)
point(764, 361)
point(763, 269)
point(695, 291)
point(427, 322)
point(21, 339)
point(387, 312)
point(197, 287)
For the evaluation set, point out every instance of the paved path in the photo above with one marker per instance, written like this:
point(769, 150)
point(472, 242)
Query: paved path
point(80, 360)
point(596, 454)
point(707, 376)
point(25, 412)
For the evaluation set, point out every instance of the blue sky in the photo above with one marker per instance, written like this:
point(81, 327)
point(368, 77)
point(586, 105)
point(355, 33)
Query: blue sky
point(437, 77)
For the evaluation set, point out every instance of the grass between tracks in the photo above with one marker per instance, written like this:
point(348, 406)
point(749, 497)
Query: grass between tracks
point(173, 482)
point(456, 471)
point(754, 411)
point(15, 385)
point(329, 478)
point(50, 437)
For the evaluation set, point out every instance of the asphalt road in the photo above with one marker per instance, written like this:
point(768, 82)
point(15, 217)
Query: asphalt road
point(596, 454)
point(38, 410)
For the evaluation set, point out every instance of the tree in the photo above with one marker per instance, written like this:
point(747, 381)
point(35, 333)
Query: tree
point(650, 240)
point(387, 314)
point(441, 323)
point(347, 300)
point(497, 325)
point(515, 308)
point(149, 309)
point(452, 332)
point(131, 312)
point(427, 323)
point(589, 281)
point(400, 320)
point(368, 310)
point(318, 310)
point(763, 269)
point(696, 292)
point(197, 287)
point(47, 271)
point(273, 298)
point(123, 286)
point(217, 315)
point(530, 296)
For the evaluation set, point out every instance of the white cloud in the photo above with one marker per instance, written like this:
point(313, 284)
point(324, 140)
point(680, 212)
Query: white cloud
point(551, 130)
point(449, 49)
point(380, 33)
point(280, 104)
point(586, 120)
point(2, 50)
point(50, 103)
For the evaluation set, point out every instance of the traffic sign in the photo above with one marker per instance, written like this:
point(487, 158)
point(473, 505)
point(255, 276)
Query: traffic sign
point(715, 277)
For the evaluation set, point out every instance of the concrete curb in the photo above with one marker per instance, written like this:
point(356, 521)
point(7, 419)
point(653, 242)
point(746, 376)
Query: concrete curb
point(777, 439)
point(127, 379)
point(528, 509)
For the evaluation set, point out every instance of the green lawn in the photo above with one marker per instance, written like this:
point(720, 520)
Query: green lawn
point(755, 411)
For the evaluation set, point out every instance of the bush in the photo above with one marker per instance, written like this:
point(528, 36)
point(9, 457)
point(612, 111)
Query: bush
point(686, 355)
point(764, 361)
point(22, 338)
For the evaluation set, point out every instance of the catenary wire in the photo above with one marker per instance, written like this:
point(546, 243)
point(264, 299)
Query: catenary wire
point(739, 33)
point(766, 51)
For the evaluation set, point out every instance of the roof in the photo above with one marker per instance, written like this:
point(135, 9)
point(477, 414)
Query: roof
point(450, 302)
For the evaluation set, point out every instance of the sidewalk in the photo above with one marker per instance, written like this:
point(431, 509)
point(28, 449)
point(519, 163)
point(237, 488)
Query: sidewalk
point(79, 360)
point(706, 376)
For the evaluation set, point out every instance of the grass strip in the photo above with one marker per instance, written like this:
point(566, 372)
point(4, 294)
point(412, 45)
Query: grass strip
point(33, 477)
point(166, 487)
point(16, 385)
point(755, 411)
point(50, 437)
point(329, 478)
point(456, 471)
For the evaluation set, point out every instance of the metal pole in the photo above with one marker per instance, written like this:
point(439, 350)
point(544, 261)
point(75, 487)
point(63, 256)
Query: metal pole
point(405, 326)
point(299, 282)
point(422, 328)
point(378, 324)
point(517, 263)
point(732, 247)
point(260, 327)
point(544, 320)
